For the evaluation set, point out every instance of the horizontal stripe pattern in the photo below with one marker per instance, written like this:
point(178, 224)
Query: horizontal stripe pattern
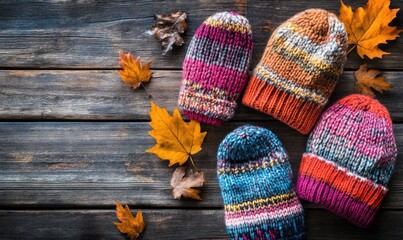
point(225, 37)
point(210, 73)
point(273, 200)
point(349, 160)
point(263, 204)
point(336, 31)
point(377, 109)
point(193, 97)
point(321, 52)
point(212, 92)
point(230, 22)
point(241, 182)
point(215, 69)
point(218, 54)
point(305, 77)
point(351, 196)
point(267, 75)
point(358, 140)
point(256, 185)
point(251, 166)
point(274, 229)
point(312, 190)
point(362, 188)
point(262, 215)
point(304, 58)
point(299, 114)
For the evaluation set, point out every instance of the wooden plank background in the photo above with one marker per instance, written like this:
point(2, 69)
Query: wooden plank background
point(73, 136)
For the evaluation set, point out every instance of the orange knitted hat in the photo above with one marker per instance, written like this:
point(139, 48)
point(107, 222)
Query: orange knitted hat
point(299, 69)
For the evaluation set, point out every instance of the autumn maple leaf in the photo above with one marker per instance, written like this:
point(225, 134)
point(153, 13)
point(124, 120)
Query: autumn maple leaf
point(369, 26)
point(175, 139)
point(169, 29)
point(133, 73)
point(129, 225)
point(367, 79)
point(183, 186)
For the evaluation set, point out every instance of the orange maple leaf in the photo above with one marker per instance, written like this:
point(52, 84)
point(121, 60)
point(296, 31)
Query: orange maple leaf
point(176, 140)
point(367, 79)
point(369, 26)
point(133, 73)
point(129, 225)
point(183, 186)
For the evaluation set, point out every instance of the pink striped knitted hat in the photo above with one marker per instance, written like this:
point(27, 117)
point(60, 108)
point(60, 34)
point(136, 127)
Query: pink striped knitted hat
point(349, 159)
point(215, 69)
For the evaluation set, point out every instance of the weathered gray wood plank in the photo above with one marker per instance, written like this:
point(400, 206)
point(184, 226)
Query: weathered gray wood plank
point(101, 95)
point(63, 165)
point(177, 224)
point(82, 164)
point(88, 34)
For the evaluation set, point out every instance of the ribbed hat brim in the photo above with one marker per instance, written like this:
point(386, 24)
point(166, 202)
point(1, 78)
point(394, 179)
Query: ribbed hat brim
point(342, 192)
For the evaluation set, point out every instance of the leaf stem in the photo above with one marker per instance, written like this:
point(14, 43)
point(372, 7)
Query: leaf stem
point(351, 49)
point(149, 94)
point(193, 163)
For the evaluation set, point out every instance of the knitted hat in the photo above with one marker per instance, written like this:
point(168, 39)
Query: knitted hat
point(256, 184)
point(299, 69)
point(349, 160)
point(215, 69)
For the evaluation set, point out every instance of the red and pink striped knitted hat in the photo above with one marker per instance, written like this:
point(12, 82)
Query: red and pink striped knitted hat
point(215, 69)
point(349, 160)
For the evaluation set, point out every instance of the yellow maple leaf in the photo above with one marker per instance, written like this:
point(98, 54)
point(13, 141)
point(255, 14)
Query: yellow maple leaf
point(367, 79)
point(175, 139)
point(133, 73)
point(129, 225)
point(368, 26)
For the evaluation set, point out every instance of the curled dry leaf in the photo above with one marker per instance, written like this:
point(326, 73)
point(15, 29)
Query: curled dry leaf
point(268, 27)
point(367, 79)
point(175, 139)
point(368, 26)
point(183, 186)
point(169, 29)
point(129, 225)
point(134, 72)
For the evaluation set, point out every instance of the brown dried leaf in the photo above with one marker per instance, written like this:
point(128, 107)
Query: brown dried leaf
point(268, 27)
point(183, 185)
point(129, 225)
point(169, 29)
point(367, 79)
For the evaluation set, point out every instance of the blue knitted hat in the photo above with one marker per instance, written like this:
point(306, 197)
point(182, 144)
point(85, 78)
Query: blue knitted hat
point(255, 178)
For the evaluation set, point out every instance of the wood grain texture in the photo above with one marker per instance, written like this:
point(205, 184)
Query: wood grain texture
point(88, 34)
point(82, 140)
point(91, 164)
point(101, 95)
point(177, 224)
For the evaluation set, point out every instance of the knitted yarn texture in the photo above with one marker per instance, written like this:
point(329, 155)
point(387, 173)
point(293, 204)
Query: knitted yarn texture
point(299, 69)
point(349, 159)
point(215, 69)
point(255, 178)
